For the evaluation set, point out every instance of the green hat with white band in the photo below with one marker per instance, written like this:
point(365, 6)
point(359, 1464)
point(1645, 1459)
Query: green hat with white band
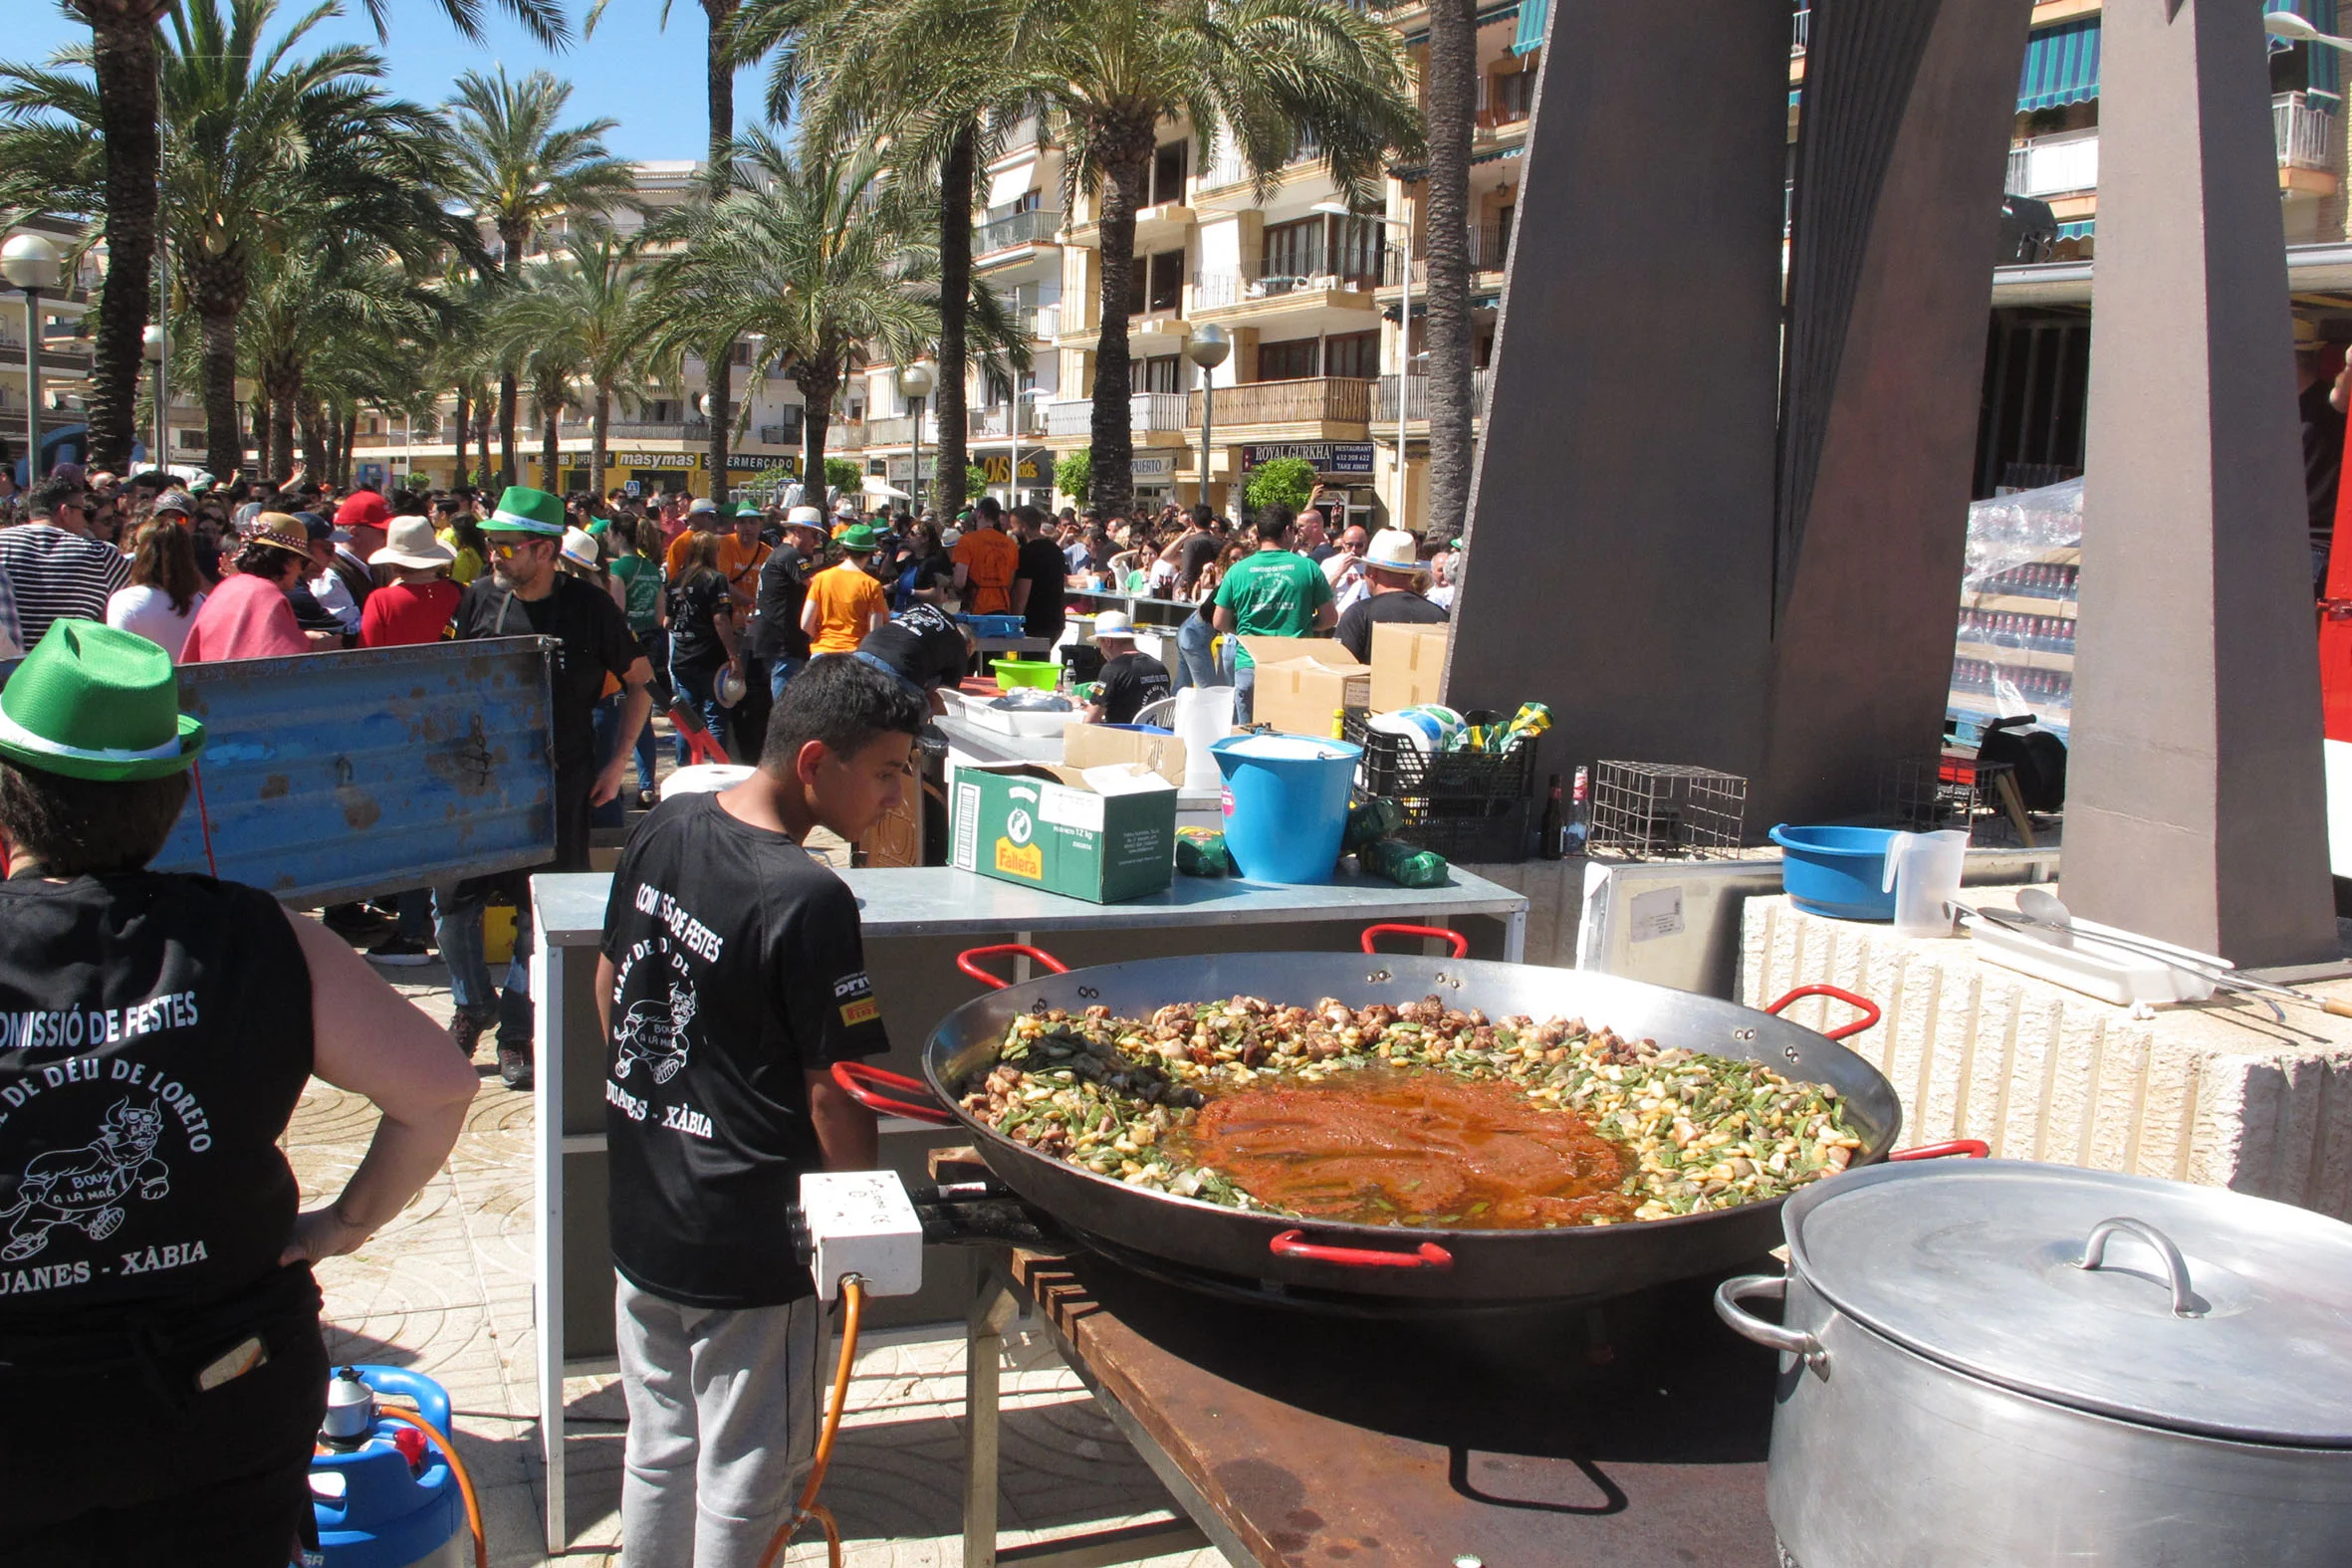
point(91, 702)
point(523, 510)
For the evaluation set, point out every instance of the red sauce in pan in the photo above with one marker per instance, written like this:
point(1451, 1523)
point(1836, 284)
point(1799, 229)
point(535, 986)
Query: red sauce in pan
point(1419, 1149)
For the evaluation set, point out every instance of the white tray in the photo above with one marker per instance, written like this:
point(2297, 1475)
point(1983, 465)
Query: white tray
point(2083, 963)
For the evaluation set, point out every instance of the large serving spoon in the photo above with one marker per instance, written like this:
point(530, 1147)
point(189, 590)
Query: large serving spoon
point(2043, 908)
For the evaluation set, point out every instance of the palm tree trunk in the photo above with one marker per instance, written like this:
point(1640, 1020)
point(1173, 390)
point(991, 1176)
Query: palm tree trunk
point(718, 380)
point(1127, 162)
point(818, 386)
point(282, 409)
point(122, 37)
point(955, 308)
point(551, 454)
point(224, 443)
point(505, 428)
point(482, 445)
point(719, 87)
point(1450, 89)
point(343, 439)
point(262, 403)
point(463, 427)
point(314, 438)
point(600, 420)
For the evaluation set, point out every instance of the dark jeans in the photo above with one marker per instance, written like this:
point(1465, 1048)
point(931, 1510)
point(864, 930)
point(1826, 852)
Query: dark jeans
point(696, 689)
point(457, 912)
point(607, 722)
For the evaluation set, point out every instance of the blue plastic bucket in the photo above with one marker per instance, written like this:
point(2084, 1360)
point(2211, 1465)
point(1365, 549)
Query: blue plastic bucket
point(1836, 871)
point(1286, 803)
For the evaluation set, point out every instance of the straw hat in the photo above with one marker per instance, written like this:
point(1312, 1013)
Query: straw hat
point(1394, 550)
point(410, 543)
point(580, 547)
point(805, 517)
point(1112, 623)
point(280, 531)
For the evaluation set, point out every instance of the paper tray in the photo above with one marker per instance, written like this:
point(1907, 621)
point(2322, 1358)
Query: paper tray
point(2096, 968)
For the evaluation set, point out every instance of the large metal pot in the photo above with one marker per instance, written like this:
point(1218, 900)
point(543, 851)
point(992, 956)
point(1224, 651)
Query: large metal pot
point(1322, 1263)
point(1996, 1364)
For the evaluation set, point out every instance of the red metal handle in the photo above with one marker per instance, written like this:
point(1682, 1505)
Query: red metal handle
point(1870, 1012)
point(1293, 1244)
point(1956, 1149)
point(1461, 943)
point(866, 1084)
point(1018, 949)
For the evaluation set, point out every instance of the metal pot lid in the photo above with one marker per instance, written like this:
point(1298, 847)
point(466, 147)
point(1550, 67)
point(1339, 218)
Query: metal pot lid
point(2243, 1332)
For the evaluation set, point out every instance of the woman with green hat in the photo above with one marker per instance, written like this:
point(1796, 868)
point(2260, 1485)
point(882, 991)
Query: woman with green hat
point(161, 1372)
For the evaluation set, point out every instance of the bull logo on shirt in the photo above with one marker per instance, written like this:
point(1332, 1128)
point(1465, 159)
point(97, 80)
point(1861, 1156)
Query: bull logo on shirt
point(86, 1186)
point(654, 1031)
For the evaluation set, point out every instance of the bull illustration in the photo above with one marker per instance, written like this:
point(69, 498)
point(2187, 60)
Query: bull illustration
point(86, 1186)
point(654, 1031)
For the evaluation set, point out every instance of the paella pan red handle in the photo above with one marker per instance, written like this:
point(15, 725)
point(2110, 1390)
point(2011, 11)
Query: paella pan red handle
point(1294, 1243)
point(964, 962)
point(1872, 1015)
point(1458, 941)
point(873, 1088)
point(1956, 1149)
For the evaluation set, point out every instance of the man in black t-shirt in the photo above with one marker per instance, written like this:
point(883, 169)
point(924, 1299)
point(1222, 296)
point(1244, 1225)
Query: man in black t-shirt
point(733, 978)
point(783, 589)
point(1392, 581)
point(524, 596)
point(1130, 680)
point(1040, 577)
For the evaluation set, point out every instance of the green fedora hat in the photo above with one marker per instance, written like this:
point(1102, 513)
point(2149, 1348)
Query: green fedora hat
point(859, 537)
point(91, 702)
point(523, 510)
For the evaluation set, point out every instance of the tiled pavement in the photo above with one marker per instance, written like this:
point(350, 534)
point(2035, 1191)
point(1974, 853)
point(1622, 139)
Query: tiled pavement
point(445, 1288)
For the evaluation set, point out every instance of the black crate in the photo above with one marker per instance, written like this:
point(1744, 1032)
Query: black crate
point(1395, 767)
point(1469, 833)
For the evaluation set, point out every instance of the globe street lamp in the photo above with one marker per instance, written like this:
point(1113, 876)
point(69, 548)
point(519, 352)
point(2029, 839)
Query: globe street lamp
point(915, 383)
point(32, 264)
point(1206, 347)
point(154, 348)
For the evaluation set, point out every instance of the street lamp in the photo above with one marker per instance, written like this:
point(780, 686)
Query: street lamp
point(1206, 347)
point(151, 346)
point(32, 264)
point(2294, 29)
point(915, 383)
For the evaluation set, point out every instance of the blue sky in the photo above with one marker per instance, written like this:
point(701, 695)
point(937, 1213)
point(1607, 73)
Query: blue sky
point(633, 71)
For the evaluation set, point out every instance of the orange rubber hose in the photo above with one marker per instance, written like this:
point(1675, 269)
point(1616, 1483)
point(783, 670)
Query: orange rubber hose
point(465, 1482)
point(852, 1309)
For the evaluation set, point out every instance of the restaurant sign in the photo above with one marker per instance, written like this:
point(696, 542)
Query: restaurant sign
point(1328, 457)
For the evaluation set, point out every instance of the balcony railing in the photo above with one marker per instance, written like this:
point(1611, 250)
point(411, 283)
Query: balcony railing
point(1226, 168)
point(1048, 321)
point(1324, 400)
point(658, 430)
point(2305, 132)
point(1801, 31)
point(1417, 397)
point(1034, 227)
point(1490, 244)
point(780, 435)
point(989, 424)
point(1217, 289)
point(2067, 162)
point(1146, 412)
point(899, 430)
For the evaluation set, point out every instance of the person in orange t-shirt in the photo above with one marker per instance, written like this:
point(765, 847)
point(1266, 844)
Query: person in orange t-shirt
point(741, 555)
point(701, 518)
point(986, 560)
point(846, 602)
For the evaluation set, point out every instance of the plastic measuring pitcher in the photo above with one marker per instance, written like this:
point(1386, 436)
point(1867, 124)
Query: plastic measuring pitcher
point(1203, 717)
point(1923, 872)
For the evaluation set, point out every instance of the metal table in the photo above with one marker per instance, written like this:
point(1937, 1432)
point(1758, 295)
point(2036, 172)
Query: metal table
point(1631, 1433)
point(915, 921)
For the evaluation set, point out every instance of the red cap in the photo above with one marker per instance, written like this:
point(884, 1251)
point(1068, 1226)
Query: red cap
point(362, 509)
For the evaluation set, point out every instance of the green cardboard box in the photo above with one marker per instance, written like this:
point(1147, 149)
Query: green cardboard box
point(1041, 827)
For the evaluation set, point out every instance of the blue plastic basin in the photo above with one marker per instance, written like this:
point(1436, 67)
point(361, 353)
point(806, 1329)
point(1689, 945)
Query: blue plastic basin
point(1836, 871)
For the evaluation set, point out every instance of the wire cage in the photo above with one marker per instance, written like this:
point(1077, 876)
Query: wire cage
point(1658, 809)
point(1914, 798)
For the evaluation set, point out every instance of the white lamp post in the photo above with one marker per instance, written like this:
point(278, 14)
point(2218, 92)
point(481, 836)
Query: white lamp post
point(151, 345)
point(2294, 29)
point(1207, 348)
point(32, 264)
point(914, 382)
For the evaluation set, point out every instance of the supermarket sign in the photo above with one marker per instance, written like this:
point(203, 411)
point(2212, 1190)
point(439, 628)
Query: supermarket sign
point(1328, 457)
point(695, 462)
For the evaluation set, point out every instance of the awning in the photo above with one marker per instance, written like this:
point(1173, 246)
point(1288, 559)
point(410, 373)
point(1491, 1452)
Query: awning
point(2324, 67)
point(1533, 16)
point(1487, 16)
point(1418, 171)
point(2061, 65)
point(2078, 231)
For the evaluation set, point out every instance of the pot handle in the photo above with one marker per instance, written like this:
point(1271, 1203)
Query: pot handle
point(2176, 1268)
point(1956, 1149)
point(1872, 1015)
point(1294, 1243)
point(1017, 950)
point(1458, 941)
point(1745, 1324)
point(872, 1087)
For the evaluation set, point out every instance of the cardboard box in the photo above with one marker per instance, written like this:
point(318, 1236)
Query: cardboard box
point(1094, 745)
point(1304, 682)
point(1040, 826)
point(1408, 665)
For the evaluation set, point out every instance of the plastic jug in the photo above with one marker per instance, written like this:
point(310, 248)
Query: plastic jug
point(1203, 716)
point(1923, 871)
point(1286, 803)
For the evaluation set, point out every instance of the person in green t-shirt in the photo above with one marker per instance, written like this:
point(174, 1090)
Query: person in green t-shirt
point(1272, 593)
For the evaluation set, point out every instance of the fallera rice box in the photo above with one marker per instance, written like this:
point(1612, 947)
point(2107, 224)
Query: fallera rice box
point(1045, 827)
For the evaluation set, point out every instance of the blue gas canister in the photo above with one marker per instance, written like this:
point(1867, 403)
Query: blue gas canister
point(381, 1499)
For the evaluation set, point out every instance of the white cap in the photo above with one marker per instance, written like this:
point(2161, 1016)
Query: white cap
point(1395, 550)
point(702, 504)
point(579, 546)
point(1112, 623)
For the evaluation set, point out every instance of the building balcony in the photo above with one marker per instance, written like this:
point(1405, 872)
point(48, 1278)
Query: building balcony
point(1048, 321)
point(1318, 400)
point(1257, 291)
point(1001, 240)
point(1417, 399)
point(785, 435)
point(1148, 414)
point(656, 430)
point(899, 430)
point(2066, 165)
point(1228, 175)
point(1490, 247)
point(995, 424)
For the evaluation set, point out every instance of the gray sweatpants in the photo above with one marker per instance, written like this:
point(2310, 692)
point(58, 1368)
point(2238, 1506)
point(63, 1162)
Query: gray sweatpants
point(723, 1417)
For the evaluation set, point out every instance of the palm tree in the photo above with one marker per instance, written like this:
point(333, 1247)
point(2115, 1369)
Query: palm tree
point(262, 142)
point(519, 169)
point(579, 321)
point(819, 259)
point(122, 57)
point(1259, 76)
point(1449, 86)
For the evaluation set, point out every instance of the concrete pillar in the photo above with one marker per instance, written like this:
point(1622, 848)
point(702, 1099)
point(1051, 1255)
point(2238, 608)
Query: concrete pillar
point(2195, 808)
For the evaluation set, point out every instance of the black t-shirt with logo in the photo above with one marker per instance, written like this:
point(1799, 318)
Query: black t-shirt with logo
point(784, 592)
point(1355, 633)
point(1046, 571)
point(1131, 682)
point(154, 1036)
point(596, 642)
point(739, 968)
point(696, 603)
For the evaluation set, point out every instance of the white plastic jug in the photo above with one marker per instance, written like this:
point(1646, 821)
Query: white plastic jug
point(1923, 871)
point(1203, 717)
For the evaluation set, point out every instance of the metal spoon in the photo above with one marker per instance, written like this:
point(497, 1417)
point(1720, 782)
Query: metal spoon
point(2042, 908)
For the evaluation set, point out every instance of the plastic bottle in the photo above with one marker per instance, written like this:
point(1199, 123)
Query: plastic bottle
point(1579, 828)
point(1554, 828)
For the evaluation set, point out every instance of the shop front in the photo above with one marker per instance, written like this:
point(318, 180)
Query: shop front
point(662, 473)
point(1155, 479)
point(1344, 468)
